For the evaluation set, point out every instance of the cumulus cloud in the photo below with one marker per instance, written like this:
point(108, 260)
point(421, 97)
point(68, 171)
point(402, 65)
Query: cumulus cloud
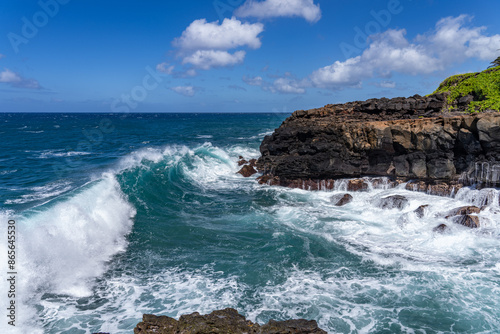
point(206, 44)
point(184, 90)
point(15, 80)
point(390, 52)
point(206, 59)
point(230, 34)
point(280, 8)
point(165, 68)
point(288, 86)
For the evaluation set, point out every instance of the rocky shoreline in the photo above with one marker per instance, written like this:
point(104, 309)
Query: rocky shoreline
point(435, 143)
point(227, 321)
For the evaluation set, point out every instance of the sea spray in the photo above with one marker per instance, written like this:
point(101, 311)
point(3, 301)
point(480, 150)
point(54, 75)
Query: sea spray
point(66, 244)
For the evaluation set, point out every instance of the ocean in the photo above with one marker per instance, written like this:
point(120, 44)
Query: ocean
point(120, 215)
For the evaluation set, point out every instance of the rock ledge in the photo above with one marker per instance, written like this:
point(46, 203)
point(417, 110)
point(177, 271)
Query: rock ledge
point(227, 321)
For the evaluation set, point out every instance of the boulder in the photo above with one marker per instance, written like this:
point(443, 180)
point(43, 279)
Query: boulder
point(247, 171)
point(440, 228)
point(393, 202)
point(420, 211)
point(227, 321)
point(463, 210)
point(357, 185)
point(467, 220)
point(341, 200)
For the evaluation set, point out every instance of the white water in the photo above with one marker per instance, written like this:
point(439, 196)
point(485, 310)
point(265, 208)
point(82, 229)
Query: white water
point(66, 246)
point(63, 247)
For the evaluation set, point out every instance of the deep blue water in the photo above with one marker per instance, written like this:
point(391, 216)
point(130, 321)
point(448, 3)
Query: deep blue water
point(120, 215)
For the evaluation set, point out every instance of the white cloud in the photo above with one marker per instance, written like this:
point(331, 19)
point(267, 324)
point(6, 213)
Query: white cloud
point(184, 90)
point(390, 52)
point(277, 8)
point(288, 86)
point(206, 44)
point(165, 68)
point(15, 80)
point(255, 81)
point(206, 59)
point(232, 33)
point(8, 76)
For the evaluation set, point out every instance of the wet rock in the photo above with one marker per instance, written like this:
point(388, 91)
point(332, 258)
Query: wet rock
point(357, 185)
point(420, 211)
point(465, 216)
point(247, 171)
point(252, 162)
point(299, 326)
point(440, 228)
point(464, 210)
point(340, 199)
point(226, 321)
point(393, 202)
point(467, 220)
point(242, 162)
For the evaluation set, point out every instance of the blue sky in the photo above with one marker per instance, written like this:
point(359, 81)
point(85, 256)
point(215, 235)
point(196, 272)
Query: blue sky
point(234, 55)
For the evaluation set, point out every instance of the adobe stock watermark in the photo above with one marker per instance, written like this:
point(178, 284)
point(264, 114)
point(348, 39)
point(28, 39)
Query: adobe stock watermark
point(30, 27)
point(381, 19)
point(223, 6)
point(125, 104)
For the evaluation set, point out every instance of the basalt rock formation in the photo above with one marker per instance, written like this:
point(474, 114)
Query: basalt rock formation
point(432, 140)
point(226, 321)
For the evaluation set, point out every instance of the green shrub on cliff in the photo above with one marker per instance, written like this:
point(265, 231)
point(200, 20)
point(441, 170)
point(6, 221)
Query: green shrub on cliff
point(483, 86)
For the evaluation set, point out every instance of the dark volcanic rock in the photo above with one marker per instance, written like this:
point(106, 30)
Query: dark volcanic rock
point(465, 216)
point(393, 202)
point(440, 228)
point(247, 171)
point(467, 220)
point(414, 138)
point(299, 326)
point(464, 210)
point(357, 185)
point(226, 321)
point(340, 199)
point(420, 211)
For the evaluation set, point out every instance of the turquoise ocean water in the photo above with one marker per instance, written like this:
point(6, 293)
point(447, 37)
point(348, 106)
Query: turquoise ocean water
point(120, 215)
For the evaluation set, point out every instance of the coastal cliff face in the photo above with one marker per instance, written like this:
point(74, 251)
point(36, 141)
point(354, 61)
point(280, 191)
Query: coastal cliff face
point(416, 138)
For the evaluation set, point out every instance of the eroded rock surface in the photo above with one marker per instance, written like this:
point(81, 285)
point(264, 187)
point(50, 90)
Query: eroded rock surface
point(227, 321)
point(413, 138)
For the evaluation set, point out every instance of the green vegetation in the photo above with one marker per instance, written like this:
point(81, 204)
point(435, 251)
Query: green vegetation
point(483, 86)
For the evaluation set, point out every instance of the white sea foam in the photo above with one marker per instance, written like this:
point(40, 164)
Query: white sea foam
point(171, 292)
point(40, 193)
point(64, 246)
point(60, 154)
point(6, 172)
